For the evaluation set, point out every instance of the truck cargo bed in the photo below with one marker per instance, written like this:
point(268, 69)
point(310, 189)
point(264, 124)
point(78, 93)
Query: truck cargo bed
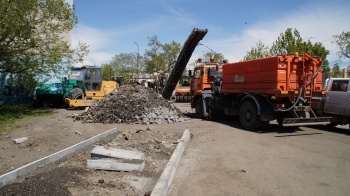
point(275, 76)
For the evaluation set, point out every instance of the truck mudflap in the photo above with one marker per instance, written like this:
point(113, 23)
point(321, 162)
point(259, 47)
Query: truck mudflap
point(182, 60)
point(289, 122)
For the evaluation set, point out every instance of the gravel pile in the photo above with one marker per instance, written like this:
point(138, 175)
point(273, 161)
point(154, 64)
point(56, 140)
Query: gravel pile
point(133, 104)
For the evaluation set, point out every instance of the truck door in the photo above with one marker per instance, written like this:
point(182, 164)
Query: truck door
point(195, 82)
point(338, 97)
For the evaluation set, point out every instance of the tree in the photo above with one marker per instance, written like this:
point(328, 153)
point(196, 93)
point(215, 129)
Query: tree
point(336, 72)
point(218, 57)
point(107, 71)
point(259, 51)
point(31, 39)
point(124, 64)
point(154, 60)
point(290, 42)
point(319, 50)
point(171, 51)
point(343, 43)
point(160, 56)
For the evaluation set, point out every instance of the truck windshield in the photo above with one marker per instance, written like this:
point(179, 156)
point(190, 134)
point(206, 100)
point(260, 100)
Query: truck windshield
point(197, 74)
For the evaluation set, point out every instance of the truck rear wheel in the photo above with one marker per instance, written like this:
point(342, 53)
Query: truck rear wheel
point(181, 98)
point(188, 98)
point(248, 116)
point(199, 107)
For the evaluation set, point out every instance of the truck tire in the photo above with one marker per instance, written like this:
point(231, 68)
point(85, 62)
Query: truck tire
point(181, 98)
point(76, 93)
point(199, 107)
point(280, 122)
point(188, 98)
point(213, 114)
point(248, 116)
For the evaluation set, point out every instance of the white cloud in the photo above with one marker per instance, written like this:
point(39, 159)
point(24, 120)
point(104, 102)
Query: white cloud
point(97, 40)
point(182, 16)
point(321, 23)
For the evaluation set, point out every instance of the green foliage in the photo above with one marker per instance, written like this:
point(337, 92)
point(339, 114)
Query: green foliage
point(290, 42)
point(160, 56)
point(319, 50)
point(336, 72)
point(170, 53)
point(124, 64)
point(259, 51)
point(218, 57)
point(343, 43)
point(10, 114)
point(107, 71)
point(31, 40)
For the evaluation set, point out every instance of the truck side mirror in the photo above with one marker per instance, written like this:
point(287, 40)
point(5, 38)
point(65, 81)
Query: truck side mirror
point(190, 73)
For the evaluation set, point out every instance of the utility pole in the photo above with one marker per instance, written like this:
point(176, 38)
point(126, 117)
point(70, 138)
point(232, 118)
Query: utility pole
point(138, 58)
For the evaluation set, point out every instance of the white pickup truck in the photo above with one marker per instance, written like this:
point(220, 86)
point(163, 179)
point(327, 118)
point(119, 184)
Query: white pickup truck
point(336, 102)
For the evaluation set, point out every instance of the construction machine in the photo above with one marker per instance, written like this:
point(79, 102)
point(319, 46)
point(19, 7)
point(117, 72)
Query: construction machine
point(182, 91)
point(92, 88)
point(167, 84)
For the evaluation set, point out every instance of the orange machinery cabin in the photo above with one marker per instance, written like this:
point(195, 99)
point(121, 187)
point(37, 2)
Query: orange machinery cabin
point(279, 76)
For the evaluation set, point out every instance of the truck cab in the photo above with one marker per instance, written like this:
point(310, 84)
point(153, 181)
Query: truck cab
point(91, 77)
point(201, 87)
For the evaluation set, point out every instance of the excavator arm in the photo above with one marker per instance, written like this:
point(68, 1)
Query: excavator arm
point(182, 60)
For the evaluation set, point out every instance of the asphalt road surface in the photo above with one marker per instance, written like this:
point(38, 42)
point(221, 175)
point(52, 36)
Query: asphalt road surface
point(223, 159)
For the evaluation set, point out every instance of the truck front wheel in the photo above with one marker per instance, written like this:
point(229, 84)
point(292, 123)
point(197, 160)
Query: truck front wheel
point(199, 108)
point(248, 116)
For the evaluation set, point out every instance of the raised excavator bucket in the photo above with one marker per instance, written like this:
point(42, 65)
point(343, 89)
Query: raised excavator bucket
point(182, 60)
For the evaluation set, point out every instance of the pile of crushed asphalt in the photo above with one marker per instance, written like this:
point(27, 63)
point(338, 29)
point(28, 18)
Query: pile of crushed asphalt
point(132, 104)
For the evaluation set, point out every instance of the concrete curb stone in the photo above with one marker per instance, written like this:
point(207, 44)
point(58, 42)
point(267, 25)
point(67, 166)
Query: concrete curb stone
point(11, 176)
point(165, 180)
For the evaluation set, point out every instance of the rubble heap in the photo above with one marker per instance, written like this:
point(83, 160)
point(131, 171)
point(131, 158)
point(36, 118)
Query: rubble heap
point(133, 104)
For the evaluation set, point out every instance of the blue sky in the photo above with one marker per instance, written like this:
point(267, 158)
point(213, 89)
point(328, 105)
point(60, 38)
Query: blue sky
point(111, 27)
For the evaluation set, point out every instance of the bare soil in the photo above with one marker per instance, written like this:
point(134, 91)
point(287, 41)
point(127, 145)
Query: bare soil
point(71, 176)
point(220, 159)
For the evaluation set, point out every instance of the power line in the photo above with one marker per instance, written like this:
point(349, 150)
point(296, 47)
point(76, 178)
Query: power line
point(326, 40)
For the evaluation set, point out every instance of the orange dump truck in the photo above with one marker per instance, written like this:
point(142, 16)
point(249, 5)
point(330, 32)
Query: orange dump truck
point(258, 91)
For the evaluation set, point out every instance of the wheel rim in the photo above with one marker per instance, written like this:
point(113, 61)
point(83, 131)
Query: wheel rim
point(248, 116)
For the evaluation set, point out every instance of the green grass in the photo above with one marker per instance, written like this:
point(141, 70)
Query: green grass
point(10, 114)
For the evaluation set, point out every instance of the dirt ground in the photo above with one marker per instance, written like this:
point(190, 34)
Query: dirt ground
point(71, 176)
point(220, 159)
